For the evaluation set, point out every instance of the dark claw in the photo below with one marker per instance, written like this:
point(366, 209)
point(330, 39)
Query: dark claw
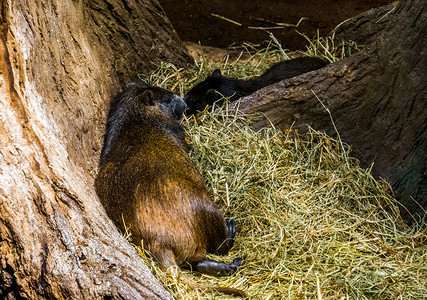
point(231, 228)
point(237, 262)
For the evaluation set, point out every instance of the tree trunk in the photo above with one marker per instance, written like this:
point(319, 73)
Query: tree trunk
point(377, 100)
point(60, 62)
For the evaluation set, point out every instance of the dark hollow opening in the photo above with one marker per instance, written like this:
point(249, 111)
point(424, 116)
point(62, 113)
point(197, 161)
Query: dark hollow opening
point(195, 21)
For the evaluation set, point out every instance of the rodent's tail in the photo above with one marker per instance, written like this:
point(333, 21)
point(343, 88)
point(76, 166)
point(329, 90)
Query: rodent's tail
point(220, 289)
point(230, 291)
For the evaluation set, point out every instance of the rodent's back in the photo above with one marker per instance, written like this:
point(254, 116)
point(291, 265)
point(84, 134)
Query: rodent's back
point(289, 69)
point(215, 87)
point(155, 187)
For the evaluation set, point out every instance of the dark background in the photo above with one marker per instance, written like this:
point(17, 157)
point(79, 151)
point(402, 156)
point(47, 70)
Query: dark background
point(193, 20)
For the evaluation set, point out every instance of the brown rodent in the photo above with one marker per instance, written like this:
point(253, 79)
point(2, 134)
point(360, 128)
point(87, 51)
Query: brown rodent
point(216, 87)
point(148, 182)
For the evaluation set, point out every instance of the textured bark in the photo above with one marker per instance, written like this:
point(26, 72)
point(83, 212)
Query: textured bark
point(377, 99)
point(365, 27)
point(60, 62)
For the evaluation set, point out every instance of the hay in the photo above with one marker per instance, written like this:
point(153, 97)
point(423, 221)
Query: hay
point(179, 80)
point(329, 49)
point(311, 224)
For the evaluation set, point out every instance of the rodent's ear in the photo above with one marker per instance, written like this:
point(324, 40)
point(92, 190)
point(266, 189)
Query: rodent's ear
point(148, 96)
point(216, 73)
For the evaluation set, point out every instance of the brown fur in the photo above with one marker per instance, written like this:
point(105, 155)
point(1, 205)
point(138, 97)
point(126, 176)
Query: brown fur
point(148, 181)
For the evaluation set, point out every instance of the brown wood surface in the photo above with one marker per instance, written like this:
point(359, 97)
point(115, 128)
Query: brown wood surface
point(60, 62)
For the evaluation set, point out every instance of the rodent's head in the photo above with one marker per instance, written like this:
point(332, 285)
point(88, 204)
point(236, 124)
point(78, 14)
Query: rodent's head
point(138, 103)
point(141, 98)
point(169, 103)
point(204, 93)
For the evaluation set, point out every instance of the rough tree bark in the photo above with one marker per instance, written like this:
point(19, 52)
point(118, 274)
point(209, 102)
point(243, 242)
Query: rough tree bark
point(60, 61)
point(377, 99)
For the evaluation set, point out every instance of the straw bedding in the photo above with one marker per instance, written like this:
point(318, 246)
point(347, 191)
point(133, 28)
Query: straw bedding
point(311, 224)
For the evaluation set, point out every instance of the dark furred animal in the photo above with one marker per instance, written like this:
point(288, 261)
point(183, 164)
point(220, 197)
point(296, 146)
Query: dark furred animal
point(216, 87)
point(148, 182)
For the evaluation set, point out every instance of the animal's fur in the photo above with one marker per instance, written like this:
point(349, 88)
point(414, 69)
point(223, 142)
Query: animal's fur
point(148, 182)
point(216, 87)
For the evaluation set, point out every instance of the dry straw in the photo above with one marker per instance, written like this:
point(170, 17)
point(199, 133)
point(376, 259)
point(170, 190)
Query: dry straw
point(311, 224)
